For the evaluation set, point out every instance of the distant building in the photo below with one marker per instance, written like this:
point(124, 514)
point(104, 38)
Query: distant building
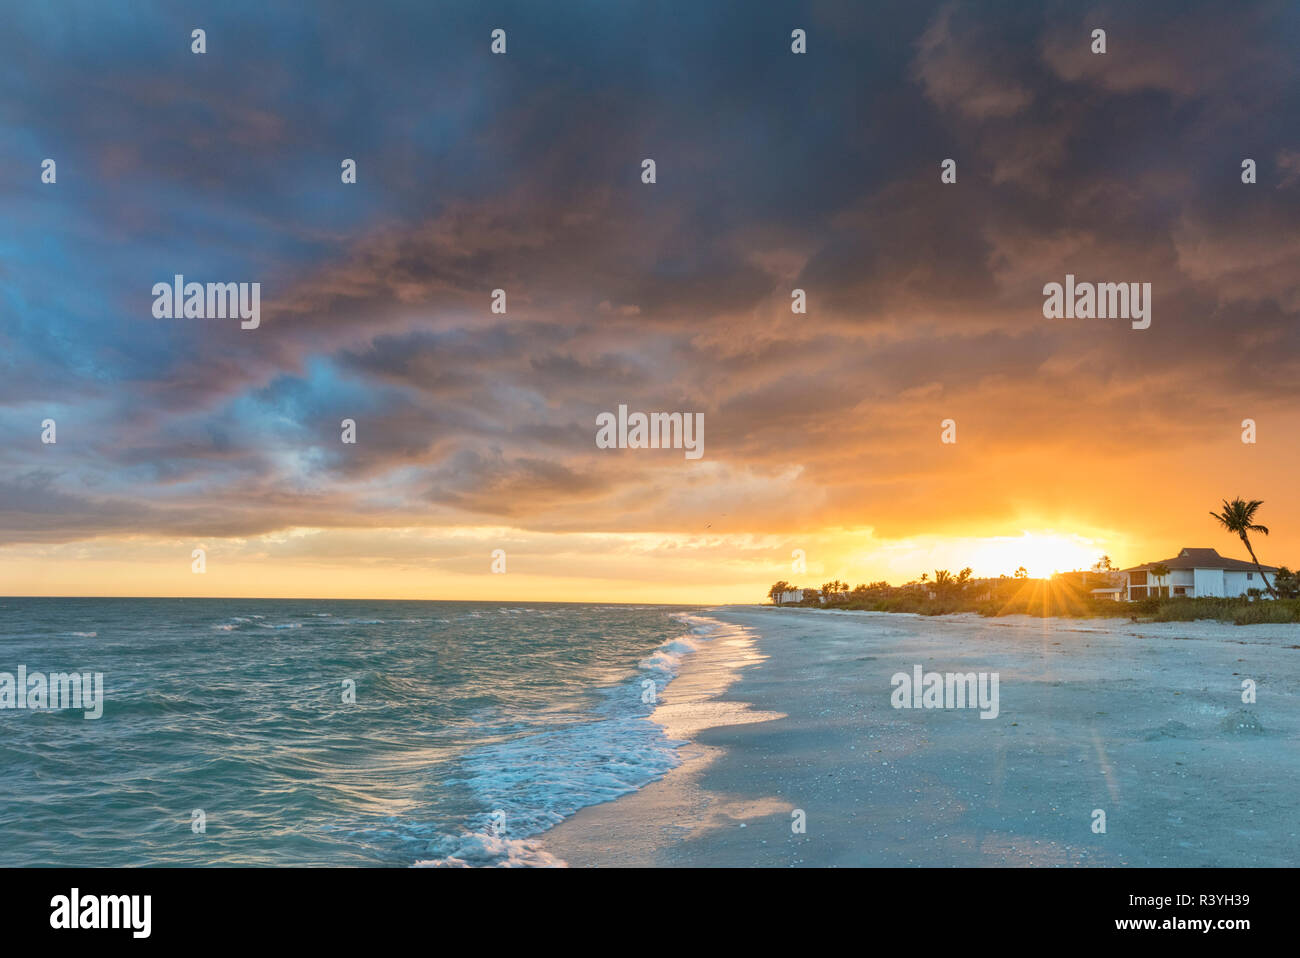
point(790, 596)
point(1116, 593)
point(981, 590)
point(1196, 573)
point(1099, 583)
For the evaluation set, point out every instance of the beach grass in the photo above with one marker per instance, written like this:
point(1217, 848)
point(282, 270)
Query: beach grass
point(1063, 603)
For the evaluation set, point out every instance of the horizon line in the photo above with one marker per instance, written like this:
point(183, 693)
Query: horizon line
point(314, 598)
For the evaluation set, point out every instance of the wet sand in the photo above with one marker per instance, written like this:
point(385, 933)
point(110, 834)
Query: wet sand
point(1144, 722)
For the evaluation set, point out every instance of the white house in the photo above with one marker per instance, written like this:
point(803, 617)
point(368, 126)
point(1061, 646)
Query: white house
point(790, 595)
point(1114, 593)
point(1196, 573)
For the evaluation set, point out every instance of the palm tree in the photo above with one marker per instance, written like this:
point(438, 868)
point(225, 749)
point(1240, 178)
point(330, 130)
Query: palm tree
point(1238, 516)
point(776, 591)
point(1159, 571)
point(834, 589)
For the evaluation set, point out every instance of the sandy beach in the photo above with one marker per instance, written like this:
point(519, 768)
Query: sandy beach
point(789, 710)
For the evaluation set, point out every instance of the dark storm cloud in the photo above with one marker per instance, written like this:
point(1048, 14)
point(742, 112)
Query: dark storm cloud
point(522, 173)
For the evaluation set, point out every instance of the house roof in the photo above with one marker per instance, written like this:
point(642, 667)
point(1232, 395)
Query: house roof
point(1202, 559)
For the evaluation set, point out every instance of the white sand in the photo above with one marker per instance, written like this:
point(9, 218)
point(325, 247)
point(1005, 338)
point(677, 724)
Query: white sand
point(1145, 722)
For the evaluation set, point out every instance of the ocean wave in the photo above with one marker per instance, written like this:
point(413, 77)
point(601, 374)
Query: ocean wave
point(538, 780)
point(236, 622)
point(668, 657)
point(153, 704)
point(480, 850)
point(537, 714)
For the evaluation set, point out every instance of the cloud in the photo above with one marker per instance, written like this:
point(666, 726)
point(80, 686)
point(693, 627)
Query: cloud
point(776, 172)
point(963, 63)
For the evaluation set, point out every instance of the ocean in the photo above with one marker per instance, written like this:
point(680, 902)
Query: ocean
point(226, 737)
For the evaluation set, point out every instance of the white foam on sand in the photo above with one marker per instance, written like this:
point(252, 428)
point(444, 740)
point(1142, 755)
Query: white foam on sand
point(479, 850)
point(538, 780)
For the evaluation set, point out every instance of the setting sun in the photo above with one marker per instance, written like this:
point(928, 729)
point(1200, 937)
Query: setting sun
point(1041, 553)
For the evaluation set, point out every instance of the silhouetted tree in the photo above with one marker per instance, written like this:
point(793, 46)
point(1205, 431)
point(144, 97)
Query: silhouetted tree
point(1239, 516)
point(1286, 582)
point(1160, 570)
point(776, 591)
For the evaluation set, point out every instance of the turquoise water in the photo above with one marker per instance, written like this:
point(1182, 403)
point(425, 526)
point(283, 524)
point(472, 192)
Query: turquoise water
point(476, 726)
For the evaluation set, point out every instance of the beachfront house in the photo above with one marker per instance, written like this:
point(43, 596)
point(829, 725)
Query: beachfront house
point(790, 597)
point(1112, 593)
point(1196, 573)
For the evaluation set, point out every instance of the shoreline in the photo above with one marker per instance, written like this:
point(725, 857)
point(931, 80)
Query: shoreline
point(1142, 721)
point(696, 701)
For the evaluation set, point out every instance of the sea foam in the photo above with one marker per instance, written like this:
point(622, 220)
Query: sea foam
point(538, 780)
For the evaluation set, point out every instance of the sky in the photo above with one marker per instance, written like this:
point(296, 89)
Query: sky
point(476, 431)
